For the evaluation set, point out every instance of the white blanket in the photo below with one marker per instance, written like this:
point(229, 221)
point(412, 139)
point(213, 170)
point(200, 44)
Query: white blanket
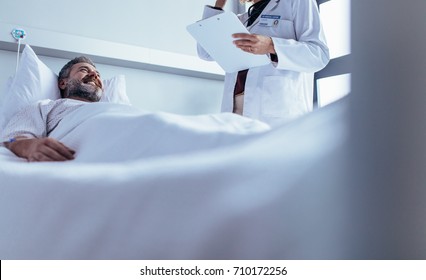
point(262, 196)
point(107, 132)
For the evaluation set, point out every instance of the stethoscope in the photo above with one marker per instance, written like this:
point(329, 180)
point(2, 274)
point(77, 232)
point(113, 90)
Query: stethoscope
point(251, 7)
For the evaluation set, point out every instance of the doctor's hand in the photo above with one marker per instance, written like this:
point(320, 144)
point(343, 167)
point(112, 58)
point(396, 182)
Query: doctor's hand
point(220, 3)
point(41, 149)
point(254, 43)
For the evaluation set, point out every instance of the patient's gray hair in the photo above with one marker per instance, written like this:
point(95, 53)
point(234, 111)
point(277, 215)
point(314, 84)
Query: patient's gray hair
point(65, 71)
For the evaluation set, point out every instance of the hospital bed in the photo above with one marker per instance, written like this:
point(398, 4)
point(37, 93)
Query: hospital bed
point(232, 202)
point(164, 186)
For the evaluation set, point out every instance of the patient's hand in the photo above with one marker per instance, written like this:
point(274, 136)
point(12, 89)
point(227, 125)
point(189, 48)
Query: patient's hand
point(41, 149)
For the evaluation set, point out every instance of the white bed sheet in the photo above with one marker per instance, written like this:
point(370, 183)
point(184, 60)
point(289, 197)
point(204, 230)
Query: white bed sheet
point(108, 132)
point(261, 195)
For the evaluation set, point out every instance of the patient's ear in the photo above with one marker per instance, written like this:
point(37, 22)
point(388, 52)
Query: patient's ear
point(62, 84)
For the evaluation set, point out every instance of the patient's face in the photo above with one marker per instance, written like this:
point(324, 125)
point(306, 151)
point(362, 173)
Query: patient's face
point(83, 82)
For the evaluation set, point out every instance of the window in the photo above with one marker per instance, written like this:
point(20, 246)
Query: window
point(336, 17)
point(333, 82)
point(332, 88)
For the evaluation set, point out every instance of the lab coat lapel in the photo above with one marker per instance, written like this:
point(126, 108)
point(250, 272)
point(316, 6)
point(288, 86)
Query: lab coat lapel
point(271, 6)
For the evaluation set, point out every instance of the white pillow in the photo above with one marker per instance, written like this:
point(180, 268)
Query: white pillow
point(5, 92)
point(35, 81)
point(115, 90)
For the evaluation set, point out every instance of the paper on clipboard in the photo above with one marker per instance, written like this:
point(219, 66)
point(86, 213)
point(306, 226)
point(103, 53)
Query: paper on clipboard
point(214, 34)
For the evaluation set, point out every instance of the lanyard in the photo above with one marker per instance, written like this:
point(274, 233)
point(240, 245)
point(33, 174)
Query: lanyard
point(255, 10)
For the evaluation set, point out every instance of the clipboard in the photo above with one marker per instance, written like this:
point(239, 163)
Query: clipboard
point(214, 34)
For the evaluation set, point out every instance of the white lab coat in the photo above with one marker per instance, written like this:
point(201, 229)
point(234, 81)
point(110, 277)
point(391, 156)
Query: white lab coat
point(280, 92)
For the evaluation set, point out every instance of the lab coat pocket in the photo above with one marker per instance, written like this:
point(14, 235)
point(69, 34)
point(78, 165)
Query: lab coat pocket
point(278, 96)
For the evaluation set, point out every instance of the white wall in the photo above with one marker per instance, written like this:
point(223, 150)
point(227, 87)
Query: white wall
point(152, 24)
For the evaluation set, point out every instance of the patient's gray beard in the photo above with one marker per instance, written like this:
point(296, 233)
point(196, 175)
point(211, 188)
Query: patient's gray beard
point(86, 91)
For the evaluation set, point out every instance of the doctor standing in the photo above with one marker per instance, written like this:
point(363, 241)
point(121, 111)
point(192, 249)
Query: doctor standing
point(291, 34)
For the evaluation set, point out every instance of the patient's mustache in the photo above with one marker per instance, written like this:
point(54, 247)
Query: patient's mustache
point(88, 79)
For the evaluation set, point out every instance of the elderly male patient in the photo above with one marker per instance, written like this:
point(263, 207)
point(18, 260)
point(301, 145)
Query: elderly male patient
point(26, 135)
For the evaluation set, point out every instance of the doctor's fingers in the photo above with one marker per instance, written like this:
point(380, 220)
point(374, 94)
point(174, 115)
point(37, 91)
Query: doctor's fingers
point(253, 43)
point(245, 43)
point(244, 40)
point(244, 36)
point(220, 3)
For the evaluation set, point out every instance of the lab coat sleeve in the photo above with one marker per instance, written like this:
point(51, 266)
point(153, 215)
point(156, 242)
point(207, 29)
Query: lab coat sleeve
point(309, 52)
point(208, 12)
